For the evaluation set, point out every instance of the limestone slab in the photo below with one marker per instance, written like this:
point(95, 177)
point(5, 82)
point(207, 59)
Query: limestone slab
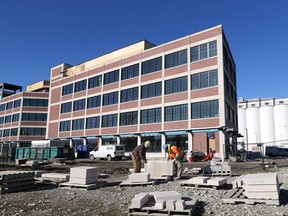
point(261, 188)
point(217, 181)
point(83, 181)
point(158, 168)
point(166, 195)
point(261, 178)
point(83, 172)
point(262, 195)
point(198, 180)
point(139, 200)
point(139, 177)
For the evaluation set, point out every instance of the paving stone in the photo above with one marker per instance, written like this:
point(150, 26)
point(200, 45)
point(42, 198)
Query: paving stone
point(166, 195)
point(139, 200)
point(139, 177)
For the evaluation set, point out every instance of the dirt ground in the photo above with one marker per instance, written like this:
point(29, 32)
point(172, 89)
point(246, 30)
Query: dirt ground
point(110, 200)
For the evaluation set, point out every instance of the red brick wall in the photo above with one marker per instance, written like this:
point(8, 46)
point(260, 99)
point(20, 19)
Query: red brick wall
point(176, 97)
point(176, 70)
point(151, 101)
point(128, 129)
point(150, 127)
point(53, 129)
point(204, 92)
point(203, 63)
point(176, 125)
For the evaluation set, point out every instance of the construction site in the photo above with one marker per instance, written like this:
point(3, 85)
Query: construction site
point(100, 187)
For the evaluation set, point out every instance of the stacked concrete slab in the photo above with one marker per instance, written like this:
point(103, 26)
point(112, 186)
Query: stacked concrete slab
point(214, 182)
point(217, 168)
point(12, 181)
point(135, 179)
point(83, 175)
point(158, 168)
point(259, 186)
point(162, 202)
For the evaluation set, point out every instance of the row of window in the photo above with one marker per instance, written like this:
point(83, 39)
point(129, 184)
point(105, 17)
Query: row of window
point(200, 80)
point(10, 105)
point(25, 117)
point(206, 109)
point(199, 52)
point(24, 131)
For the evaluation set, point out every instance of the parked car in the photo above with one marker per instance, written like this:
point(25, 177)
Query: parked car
point(108, 152)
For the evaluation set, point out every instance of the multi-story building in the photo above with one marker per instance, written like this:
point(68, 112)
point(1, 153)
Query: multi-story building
point(179, 92)
point(23, 115)
point(263, 122)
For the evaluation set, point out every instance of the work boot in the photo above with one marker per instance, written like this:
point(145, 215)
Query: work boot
point(177, 178)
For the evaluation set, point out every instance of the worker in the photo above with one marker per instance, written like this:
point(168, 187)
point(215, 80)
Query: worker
point(175, 155)
point(139, 153)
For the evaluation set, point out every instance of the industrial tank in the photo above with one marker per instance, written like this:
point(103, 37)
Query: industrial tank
point(267, 128)
point(253, 125)
point(281, 124)
point(242, 126)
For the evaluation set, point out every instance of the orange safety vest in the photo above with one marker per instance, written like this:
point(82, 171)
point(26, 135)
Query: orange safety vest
point(174, 151)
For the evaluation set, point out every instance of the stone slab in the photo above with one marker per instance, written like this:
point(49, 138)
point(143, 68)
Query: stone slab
point(139, 200)
point(198, 180)
point(160, 204)
point(158, 168)
point(180, 205)
point(83, 181)
point(237, 183)
point(58, 176)
point(166, 195)
point(262, 195)
point(170, 204)
point(217, 181)
point(139, 177)
point(261, 188)
point(261, 178)
point(83, 172)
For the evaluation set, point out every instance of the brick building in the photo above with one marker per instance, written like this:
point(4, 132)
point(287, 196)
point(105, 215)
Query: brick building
point(179, 92)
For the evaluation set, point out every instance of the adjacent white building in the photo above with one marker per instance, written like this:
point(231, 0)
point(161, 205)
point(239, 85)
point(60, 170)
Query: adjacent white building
point(263, 121)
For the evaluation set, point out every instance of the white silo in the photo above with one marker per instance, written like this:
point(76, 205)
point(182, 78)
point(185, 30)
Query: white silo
point(253, 127)
point(242, 127)
point(267, 128)
point(281, 124)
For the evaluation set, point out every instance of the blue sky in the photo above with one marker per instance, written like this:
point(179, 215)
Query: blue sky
point(37, 35)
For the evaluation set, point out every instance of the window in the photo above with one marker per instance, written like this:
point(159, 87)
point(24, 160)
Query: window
point(151, 65)
point(34, 117)
point(67, 89)
point(31, 102)
point(129, 94)
point(94, 102)
point(9, 105)
point(6, 132)
point(94, 82)
point(128, 118)
point(204, 79)
point(65, 125)
point(176, 59)
point(176, 113)
point(2, 107)
point(203, 51)
point(109, 120)
point(176, 85)
point(205, 109)
point(15, 117)
point(66, 107)
point(17, 103)
point(32, 131)
point(93, 122)
point(111, 98)
point(80, 86)
point(78, 124)
point(8, 118)
point(79, 104)
point(130, 71)
point(151, 90)
point(151, 116)
point(111, 77)
point(14, 131)
point(1, 119)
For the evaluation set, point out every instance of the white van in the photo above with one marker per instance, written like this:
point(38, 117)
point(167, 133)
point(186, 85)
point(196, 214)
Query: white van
point(108, 152)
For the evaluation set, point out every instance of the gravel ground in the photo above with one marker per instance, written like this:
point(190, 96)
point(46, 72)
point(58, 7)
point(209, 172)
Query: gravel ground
point(114, 200)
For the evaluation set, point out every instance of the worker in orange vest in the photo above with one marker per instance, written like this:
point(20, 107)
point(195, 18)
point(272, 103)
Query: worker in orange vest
point(176, 155)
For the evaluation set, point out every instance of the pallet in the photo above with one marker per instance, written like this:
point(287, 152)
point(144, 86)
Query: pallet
point(69, 185)
point(236, 196)
point(148, 209)
point(203, 186)
point(131, 184)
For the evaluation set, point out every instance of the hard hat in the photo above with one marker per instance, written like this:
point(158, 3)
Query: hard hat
point(165, 146)
point(147, 144)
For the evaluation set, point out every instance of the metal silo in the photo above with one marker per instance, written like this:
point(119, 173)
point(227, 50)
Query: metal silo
point(242, 127)
point(281, 124)
point(267, 128)
point(253, 127)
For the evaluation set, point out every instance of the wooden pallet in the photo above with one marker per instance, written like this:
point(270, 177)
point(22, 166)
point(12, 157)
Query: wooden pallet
point(203, 186)
point(148, 209)
point(131, 184)
point(236, 196)
point(69, 185)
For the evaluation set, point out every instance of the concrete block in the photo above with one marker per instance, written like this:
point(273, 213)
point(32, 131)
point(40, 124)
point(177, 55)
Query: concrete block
point(262, 195)
point(180, 205)
point(261, 178)
point(139, 177)
point(160, 204)
point(170, 204)
point(199, 180)
point(139, 200)
point(237, 183)
point(217, 181)
point(55, 176)
point(261, 188)
point(166, 195)
point(83, 172)
point(83, 181)
point(213, 163)
point(158, 168)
